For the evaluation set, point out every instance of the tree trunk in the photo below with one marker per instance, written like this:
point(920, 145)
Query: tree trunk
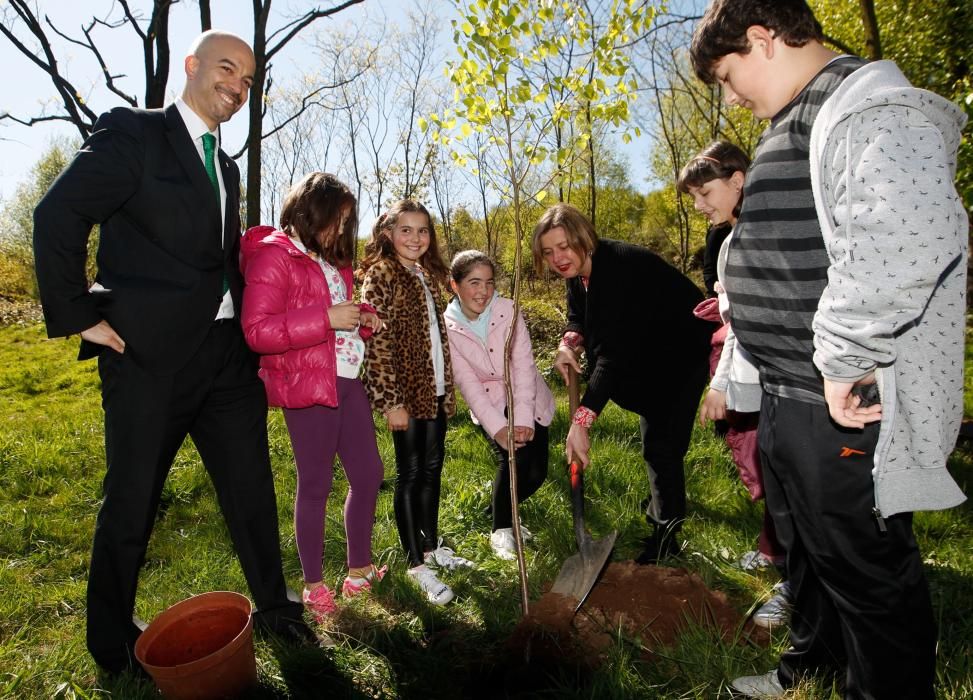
point(156, 51)
point(261, 11)
point(205, 16)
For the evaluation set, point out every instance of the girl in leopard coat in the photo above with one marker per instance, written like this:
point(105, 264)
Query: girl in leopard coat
point(409, 379)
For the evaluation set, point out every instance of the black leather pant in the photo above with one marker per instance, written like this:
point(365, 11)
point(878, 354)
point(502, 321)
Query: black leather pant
point(419, 453)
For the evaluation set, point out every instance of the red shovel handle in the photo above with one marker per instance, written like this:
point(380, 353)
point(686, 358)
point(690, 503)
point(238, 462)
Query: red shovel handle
point(576, 471)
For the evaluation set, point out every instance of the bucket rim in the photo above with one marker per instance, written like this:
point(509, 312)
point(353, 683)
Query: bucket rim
point(164, 620)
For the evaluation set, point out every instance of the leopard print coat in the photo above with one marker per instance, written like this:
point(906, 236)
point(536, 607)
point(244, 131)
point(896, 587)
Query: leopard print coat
point(398, 365)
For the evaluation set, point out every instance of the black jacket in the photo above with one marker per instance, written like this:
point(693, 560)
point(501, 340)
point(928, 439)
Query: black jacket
point(140, 176)
point(640, 335)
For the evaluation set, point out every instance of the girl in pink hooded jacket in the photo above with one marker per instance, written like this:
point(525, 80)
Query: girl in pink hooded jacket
point(298, 314)
point(477, 322)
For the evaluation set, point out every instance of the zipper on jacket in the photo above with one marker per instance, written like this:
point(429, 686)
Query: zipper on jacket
point(877, 513)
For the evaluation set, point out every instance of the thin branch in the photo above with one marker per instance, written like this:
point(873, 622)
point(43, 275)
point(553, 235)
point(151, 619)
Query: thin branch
point(90, 45)
point(308, 101)
point(79, 114)
point(35, 120)
point(293, 28)
point(841, 46)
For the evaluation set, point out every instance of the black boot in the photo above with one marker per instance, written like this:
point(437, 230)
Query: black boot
point(660, 545)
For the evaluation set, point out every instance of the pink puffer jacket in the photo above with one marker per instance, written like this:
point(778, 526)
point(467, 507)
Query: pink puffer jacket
point(478, 371)
point(285, 319)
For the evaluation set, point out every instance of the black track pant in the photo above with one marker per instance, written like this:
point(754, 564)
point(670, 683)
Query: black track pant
point(862, 610)
point(419, 454)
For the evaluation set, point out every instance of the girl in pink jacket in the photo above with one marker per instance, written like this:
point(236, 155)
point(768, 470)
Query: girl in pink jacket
point(477, 321)
point(298, 314)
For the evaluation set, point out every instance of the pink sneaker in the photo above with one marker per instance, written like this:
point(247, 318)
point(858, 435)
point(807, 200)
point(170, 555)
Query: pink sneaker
point(355, 585)
point(320, 601)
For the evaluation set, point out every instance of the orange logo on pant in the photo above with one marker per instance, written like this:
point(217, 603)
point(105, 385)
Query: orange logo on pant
point(848, 452)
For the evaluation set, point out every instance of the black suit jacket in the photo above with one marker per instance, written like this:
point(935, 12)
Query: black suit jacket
point(159, 255)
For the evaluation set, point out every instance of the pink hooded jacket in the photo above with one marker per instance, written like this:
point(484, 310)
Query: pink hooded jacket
point(285, 319)
point(478, 372)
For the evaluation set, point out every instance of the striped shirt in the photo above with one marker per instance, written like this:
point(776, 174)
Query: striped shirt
point(777, 265)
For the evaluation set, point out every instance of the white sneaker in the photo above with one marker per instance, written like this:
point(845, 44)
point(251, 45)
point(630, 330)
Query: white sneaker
point(754, 560)
point(502, 543)
point(437, 592)
point(761, 687)
point(446, 558)
point(777, 610)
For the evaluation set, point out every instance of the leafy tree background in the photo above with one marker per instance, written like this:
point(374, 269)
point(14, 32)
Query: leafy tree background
point(359, 112)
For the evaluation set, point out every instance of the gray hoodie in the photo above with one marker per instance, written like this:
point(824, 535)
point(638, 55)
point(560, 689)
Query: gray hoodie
point(883, 161)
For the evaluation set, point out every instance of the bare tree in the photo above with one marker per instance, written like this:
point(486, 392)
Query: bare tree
point(299, 141)
point(442, 174)
point(418, 60)
point(266, 47)
point(154, 38)
point(681, 115)
point(73, 103)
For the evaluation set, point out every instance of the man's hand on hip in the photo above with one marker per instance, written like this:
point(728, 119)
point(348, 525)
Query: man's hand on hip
point(103, 334)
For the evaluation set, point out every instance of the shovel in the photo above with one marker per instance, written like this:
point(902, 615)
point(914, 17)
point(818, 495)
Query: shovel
point(580, 571)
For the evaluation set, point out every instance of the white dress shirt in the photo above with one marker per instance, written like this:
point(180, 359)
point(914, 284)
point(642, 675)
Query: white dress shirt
point(197, 127)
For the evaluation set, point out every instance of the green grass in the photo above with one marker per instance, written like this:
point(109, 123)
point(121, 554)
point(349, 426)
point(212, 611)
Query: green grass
point(391, 644)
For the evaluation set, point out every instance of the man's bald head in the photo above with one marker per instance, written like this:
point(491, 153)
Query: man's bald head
point(219, 72)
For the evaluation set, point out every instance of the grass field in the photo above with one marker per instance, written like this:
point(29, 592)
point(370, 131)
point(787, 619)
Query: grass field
point(392, 644)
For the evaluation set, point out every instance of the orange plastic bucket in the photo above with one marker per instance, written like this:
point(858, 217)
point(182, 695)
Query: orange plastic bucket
point(201, 648)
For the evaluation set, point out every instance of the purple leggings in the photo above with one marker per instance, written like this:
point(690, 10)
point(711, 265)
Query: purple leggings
point(317, 434)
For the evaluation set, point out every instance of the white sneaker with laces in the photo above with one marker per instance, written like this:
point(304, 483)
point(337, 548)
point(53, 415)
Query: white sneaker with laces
point(502, 543)
point(446, 558)
point(437, 592)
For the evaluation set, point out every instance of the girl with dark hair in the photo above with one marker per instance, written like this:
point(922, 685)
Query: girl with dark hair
point(718, 160)
point(714, 179)
point(478, 320)
point(299, 316)
point(409, 379)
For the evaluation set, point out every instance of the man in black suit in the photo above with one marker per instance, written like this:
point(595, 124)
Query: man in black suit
point(163, 319)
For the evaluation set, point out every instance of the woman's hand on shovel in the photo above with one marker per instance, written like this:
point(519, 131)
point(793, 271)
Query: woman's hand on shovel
point(577, 445)
point(566, 360)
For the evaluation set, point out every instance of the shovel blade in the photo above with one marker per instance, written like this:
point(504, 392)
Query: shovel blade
point(580, 571)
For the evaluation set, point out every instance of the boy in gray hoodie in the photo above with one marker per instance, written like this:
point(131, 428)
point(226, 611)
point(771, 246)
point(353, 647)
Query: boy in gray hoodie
point(847, 279)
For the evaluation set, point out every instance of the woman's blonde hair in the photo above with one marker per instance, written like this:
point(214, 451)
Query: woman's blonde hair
point(578, 230)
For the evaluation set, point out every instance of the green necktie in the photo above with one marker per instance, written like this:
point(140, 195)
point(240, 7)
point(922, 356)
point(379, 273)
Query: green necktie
point(209, 155)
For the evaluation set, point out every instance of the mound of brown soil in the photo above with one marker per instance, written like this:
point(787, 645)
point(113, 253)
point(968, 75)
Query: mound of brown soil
point(650, 603)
